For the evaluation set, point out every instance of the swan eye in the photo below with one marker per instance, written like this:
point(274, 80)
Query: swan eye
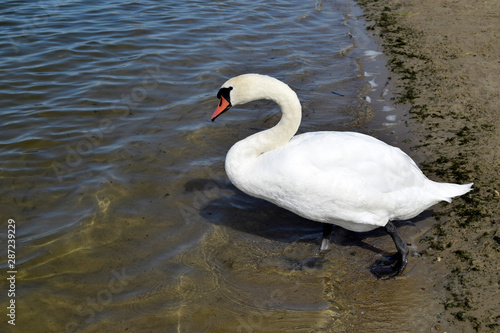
point(224, 92)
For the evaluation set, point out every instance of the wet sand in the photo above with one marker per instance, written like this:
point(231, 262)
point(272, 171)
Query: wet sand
point(445, 59)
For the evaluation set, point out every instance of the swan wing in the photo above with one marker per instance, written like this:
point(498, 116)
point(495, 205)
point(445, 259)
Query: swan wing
point(335, 177)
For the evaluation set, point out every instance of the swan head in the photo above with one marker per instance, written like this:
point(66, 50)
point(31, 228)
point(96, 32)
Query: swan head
point(246, 88)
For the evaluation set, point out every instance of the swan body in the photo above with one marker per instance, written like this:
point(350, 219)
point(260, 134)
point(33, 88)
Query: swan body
point(348, 179)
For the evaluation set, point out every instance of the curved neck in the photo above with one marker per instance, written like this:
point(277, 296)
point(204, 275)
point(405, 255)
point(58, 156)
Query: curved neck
point(281, 133)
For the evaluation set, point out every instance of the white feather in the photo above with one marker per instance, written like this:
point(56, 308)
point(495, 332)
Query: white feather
point(348, 179)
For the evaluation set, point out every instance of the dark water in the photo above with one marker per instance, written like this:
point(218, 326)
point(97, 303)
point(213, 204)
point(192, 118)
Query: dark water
point(114, 176)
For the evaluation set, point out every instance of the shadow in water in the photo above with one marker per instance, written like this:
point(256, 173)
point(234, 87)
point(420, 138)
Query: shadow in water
point(225, 205)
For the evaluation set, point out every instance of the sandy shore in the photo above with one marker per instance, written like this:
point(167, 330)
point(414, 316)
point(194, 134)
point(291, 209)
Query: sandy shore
point(446, 59)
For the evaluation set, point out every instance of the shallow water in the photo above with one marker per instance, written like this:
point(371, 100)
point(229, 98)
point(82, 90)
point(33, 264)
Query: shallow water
point(114, 174)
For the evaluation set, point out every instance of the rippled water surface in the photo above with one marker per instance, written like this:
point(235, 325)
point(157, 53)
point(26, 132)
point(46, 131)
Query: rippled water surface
point(114, 175)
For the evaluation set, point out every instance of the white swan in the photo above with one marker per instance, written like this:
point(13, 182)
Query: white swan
point(348, 179)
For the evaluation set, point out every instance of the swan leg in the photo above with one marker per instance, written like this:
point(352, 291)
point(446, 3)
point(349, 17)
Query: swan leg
point(400, 246)
point(325, 242)
point(386, 268)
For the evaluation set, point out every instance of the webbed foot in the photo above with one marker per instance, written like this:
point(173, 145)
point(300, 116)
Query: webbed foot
point(388, 267)
point(394, 265)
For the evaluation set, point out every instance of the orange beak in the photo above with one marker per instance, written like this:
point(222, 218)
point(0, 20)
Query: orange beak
point(224, 105)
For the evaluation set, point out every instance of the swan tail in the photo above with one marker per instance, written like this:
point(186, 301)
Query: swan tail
point(447, 191)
